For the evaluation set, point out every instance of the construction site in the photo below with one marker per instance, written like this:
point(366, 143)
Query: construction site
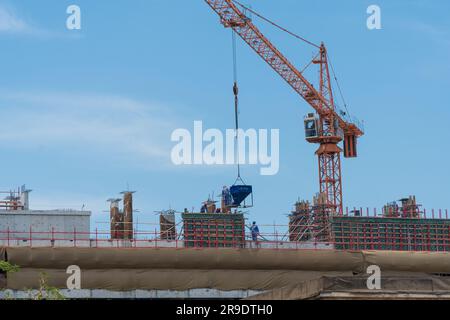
point(321, 249)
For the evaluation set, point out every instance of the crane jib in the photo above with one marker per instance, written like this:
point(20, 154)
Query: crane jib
point(234, 18)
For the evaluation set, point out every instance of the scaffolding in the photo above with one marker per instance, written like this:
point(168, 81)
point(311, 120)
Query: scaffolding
point(408, 209)
point(322, 212)
point(15, 200)
point(311, 222)
point(300, 222)
point(167, 225)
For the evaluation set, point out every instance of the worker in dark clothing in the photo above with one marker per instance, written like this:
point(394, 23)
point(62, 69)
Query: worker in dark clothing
point(255, 231)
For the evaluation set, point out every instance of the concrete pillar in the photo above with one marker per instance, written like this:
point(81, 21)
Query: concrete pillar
point(128, 214)
point(116, 220)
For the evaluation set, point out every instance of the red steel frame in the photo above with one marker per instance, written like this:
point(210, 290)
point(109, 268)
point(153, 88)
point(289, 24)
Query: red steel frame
point(329, 154)
point(330, 179)
point(322, 101)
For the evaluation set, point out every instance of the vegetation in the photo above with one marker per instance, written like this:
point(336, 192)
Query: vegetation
point(8, 267)
point(45, 291)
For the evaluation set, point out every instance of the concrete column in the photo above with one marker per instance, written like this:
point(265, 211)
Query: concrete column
point(116, 220)
point(128, 214)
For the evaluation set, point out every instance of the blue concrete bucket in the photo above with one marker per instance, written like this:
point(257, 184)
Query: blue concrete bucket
point(240, 193)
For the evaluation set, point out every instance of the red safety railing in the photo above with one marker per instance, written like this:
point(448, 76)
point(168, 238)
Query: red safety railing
point(368, 231)
point(100, 238)
point(357, 239)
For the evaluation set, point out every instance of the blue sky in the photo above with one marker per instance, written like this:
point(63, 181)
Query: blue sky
point(87, 114)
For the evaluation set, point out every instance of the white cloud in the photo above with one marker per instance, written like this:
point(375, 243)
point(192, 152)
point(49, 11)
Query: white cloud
point(12, 23)
point(9, 22)
point(111, 126)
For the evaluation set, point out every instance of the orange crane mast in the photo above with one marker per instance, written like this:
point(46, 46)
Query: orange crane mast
point(327, 128)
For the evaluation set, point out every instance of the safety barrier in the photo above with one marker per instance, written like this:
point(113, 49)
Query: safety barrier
point(362, 232)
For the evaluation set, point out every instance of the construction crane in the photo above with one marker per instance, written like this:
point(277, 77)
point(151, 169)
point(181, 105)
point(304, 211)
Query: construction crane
point(327, 127)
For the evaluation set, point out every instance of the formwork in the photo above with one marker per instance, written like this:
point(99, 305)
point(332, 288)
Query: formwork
point(214, 229)
point(381, 233)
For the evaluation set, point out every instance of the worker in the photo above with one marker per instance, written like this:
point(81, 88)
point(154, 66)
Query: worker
point(226, 195)
point(255, 231)
point(204, 208)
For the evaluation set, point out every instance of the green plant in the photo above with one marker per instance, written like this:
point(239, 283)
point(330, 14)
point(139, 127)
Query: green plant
point(45, 291)
point(7, 267)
